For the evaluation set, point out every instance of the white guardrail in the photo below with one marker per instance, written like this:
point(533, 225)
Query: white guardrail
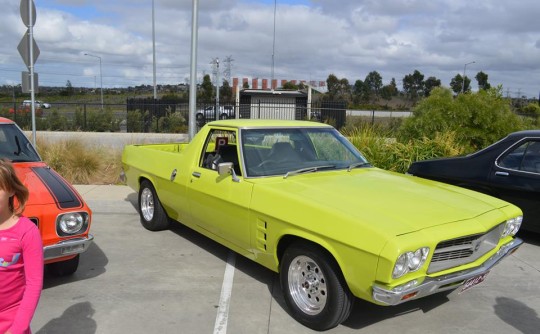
point(378, 113)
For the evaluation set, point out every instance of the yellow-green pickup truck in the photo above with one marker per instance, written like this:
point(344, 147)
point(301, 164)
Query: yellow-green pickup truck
point(298, 198)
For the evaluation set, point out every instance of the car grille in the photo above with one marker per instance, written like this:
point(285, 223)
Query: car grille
point(456, 252)
point(35, 221)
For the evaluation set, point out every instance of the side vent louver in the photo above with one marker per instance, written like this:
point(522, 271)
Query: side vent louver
point(261, 234)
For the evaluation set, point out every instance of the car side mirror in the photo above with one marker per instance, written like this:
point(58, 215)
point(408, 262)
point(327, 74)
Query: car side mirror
point(227, 168)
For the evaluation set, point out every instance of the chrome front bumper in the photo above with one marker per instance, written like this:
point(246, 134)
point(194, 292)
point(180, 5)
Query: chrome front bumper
point(67, 247)
point(433, 285)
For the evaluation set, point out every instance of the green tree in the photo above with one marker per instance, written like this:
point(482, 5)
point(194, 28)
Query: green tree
point(431, 83)
point(482, 79)
point(413, 85)
point(457, 84)
point(68, 91)
point(338, 88)
point(394, 87)
point(360, 92)
point(373, 82)
point(225, 92)
point(478, 119)
point(387, 91)
point(207, 89)
point(332, 84)
point(290, 85)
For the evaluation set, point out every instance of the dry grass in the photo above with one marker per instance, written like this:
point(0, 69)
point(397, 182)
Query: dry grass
point(80, 164)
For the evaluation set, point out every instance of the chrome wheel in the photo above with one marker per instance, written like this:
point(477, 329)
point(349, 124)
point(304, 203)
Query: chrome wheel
point(147, 204)
point(307, 285)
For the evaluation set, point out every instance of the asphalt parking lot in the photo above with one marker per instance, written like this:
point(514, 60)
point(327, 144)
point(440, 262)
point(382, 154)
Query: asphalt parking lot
point(177, 281)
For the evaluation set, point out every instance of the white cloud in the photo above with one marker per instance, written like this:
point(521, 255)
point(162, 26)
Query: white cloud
point(313, 39)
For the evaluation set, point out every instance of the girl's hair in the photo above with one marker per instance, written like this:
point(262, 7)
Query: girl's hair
point(10, 182)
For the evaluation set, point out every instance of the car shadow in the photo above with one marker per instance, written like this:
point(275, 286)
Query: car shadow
point(133, 198)
point(76, 319)
point(364, 314)
point(516, 314)
point(92, 263)
point(529, 237)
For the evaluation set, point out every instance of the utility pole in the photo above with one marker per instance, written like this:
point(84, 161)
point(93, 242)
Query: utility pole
point(215, 74)
point(193, 68)
point(227, 72)
point(464, 69)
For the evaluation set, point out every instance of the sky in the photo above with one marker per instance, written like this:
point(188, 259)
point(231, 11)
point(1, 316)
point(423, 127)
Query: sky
point(313, 38)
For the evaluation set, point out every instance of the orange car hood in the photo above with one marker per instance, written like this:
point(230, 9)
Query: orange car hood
point(47, 187)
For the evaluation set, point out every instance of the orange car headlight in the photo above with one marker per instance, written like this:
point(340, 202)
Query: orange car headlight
point(71, 223)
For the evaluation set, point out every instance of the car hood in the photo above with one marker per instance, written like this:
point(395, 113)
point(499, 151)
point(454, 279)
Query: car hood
point(47, 187)
point(389, 202)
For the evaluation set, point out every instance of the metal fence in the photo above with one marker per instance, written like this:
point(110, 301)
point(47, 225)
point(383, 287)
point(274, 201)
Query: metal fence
point(149, 115)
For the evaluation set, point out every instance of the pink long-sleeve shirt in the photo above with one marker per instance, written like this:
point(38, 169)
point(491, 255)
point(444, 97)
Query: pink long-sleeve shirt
point(21, 275)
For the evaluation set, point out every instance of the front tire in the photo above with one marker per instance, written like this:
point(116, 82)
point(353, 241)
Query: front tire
point(64, 268)
point(314, 288)
point(153, 216)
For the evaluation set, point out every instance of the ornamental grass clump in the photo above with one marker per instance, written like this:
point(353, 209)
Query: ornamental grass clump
point(387, 152)
point(80, 163)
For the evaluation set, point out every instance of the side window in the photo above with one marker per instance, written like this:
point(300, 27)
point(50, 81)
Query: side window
point(531, 159)
point(221, 146)
point(525, 157)
point(513, 159)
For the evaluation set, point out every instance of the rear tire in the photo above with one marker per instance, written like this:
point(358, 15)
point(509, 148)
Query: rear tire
point(314, 288)
point(153, 216)
point(64, 268)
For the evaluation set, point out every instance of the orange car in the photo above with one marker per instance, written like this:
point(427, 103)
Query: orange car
point(54, 205)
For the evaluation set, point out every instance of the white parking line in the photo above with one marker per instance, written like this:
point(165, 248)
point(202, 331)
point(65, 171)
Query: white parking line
point(225, 299)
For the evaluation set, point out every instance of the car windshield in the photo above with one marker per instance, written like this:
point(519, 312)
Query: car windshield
point(291, 151)
point(15, 146)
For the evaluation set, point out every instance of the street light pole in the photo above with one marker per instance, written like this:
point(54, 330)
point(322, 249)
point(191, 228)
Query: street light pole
point(154, 52)
point(100, 76)
point(464, 69)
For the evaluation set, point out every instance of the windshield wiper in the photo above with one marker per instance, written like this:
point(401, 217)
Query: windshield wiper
point(358, 164)
point(308, 170)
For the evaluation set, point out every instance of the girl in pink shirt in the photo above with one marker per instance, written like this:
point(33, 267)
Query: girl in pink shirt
point(21, 256)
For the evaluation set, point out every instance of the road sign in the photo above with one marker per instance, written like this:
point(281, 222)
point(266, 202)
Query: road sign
point(24, 49)
point(25, 13)
point(26, 84)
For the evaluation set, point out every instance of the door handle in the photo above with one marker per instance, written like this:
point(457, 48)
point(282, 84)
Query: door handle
point(196, 174)
point(501, 173)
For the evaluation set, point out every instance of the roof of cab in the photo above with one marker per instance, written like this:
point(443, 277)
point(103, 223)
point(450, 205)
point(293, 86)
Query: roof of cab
point(266, 123)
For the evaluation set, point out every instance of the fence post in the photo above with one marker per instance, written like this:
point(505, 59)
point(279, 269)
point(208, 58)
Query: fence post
point(84, 117)
point(372, 117)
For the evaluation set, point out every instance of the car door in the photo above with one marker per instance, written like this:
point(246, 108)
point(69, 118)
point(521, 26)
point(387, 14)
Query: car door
point(516, 178)
point(220, 203)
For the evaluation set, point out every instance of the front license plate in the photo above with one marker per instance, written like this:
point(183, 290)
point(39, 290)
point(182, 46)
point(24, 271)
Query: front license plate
point(473, 281)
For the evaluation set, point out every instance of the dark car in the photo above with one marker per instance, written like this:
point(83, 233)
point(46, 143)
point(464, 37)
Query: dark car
point(508, 169)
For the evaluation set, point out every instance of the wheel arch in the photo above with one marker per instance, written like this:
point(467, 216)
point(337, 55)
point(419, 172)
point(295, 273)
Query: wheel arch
point(289, 239)
point(356, 266)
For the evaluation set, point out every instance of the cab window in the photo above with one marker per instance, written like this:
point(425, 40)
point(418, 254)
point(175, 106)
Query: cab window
point(220, 146)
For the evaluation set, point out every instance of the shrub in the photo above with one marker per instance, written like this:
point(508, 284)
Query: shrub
point(383, 151)
point(477, 119)
point(100, 121)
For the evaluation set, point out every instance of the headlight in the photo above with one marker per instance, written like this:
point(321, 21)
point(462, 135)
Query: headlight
point(512, 226)
point(410, 261)
point(71, 223)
